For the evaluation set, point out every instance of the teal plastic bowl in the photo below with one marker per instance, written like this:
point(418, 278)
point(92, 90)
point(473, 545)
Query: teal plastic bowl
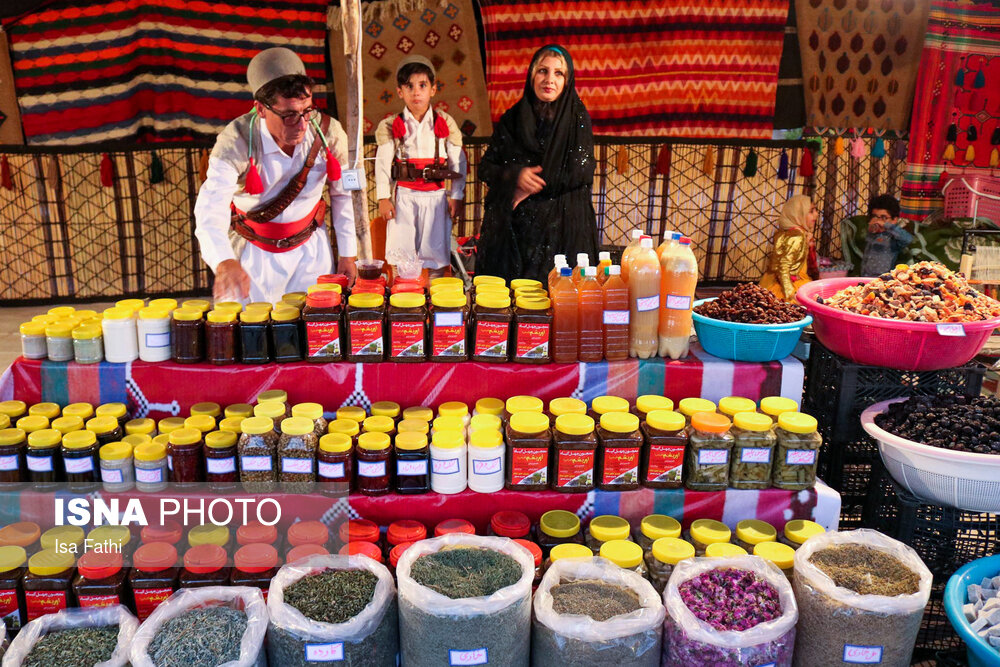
point(981, 654)
point(747, 342)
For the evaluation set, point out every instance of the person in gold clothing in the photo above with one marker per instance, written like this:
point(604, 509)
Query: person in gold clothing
point(792, 262)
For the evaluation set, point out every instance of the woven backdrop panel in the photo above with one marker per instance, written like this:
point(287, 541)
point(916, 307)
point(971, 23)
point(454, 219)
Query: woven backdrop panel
point(678, 68)
point(91, 71)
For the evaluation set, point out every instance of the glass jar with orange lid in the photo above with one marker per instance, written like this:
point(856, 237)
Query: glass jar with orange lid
point(733, 405)
point(13, 560)
point(753, 451)
point(620, 447)
point(254, 565)
point(527, 454)
point(407, 327)
point(322, 315)
point(47, 583)
point(491, 327)
point(374, 464)
point(204, 565)
point(287, 339)
point(13, 452)
point(187, 335)
point(649, 403)
point(532, 326)
point(335, 464)
point(221, 336)
point(522, 403)
point(605, 404)
point(509, 523)
point(24, 534)
point(312, 533)
point(571, 466)
point(690, 406)
point(100, 579)
point(665, 441)
point(706, 464)
point(365, 328)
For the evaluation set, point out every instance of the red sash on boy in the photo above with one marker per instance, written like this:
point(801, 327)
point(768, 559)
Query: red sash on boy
point(415, 182)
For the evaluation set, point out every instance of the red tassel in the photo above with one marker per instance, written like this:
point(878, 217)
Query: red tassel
point(943, 179)
point(5, 179)
point(107, 171)
point(332, 166)
point(663, 161)
point(399, 128)
point(441, 130)
point(806, 169)
point(254, 185)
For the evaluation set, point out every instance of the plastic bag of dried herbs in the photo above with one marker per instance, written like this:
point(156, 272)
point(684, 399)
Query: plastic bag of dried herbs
point(838, 625)
point(80, 643)
point(632, 639)
point(192, 641)
point(439, 629)
point(369, 638)
point(708, 600)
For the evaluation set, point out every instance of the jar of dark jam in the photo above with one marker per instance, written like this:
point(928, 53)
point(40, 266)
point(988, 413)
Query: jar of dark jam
point(620, 445)
point(407, 327)
point(185, 458)
point(204, 565)
point(574, 444)
point(12, 568)
point(335, 464)
point(117, 410)
point(650, 403)
point(365, 320)
point(254, 342)
point(286, 334)
point(13, 451)
point(221, 336)
point(106, 429)
point(532, 325)
point(80, 460)
point(187, 333)
point(604, 404)
point(254, 565)
point(100, 579)
point(374, 464)
point(47, 583)
point(448, 327)
point(557, 527)
point(663, 454)
point(322, 316)
point(491, 328)
point(153, 577)
point(528, 442)
point(220, 460)
point(412, 464)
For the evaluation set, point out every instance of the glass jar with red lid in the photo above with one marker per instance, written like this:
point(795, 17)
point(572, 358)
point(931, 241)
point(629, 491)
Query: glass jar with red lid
point(100, 579)
point(449, 526)
point(508, 523)
point(335, 278)
point(256, 532)
point(308, 532)
point(153, 577)
point(305, 551)
point(254, 565)
point(358, 530)
point(322, 316)
point(169, 531)
point(395, 553)
point(536, 553)
point(403, 531)
point(362, 549)
point(204, 565)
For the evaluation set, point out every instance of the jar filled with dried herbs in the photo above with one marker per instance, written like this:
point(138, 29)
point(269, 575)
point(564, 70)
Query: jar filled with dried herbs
point(706, 464)
point(797, 452)
point(257, 447)
point(661, 559)
point(653, 527)
point(751, 532)
point(707, 531)
point(753, 451)
point(797, 531)
point(297, 453)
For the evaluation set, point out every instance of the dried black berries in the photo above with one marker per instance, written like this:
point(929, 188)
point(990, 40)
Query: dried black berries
point(951, 422)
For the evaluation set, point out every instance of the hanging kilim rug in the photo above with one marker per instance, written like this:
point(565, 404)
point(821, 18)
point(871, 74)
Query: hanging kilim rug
point(140, 70)
point(681, 68)
point(443, 31)
point(957, 103)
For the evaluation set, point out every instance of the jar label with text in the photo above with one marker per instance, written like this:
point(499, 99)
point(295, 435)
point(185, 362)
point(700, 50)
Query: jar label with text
point(479, 656)
point(407, 339)
point(366, 337)
point(800, 457)
point(371, 468)
point(713, 457)
point(98, 600)
point(296, 466)
point(677, 302)
point(75, 466)
point(255, 463)
point(148, 599)
point(621, 465)
point(155, 340)
point(331, 470)
point(616, 317)
point(411, 468)
point(862, 655)
point(665, 463)
point(332, 652)
point(532, 341)
point(447, 341)
point(491, 339)
point(446, 466)
point(575, 468)
point(647, 303)
point(111, 476)
point(8, 463)
point(755, 455)
point(39, 603)
point(487, 466)
point(323, 339)
point(221, 466)
point(149, 476)
point(529, 465)
point(40, 463)
point(9, 610)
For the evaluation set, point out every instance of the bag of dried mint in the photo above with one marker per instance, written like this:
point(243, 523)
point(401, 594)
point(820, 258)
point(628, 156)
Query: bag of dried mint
point(873, 615)
point(189, 640)
point(586, 627)
point(339, 608)
point(729, 612)
point(88, 641)
point(492, 625)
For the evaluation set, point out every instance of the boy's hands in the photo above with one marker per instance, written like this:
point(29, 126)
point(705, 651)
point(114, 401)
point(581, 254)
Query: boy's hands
point(386, 209)
point(453, 208)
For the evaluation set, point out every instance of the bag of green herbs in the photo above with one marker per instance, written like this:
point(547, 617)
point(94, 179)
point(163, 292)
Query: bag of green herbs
point(592, 612)
point(333, 609)
point(729, 612)
point(465, 600)
point(215, 626)
point(94, 636)
point(861, 598)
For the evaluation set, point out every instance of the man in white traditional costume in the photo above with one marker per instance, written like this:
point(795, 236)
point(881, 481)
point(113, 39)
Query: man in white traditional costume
point(260, 212)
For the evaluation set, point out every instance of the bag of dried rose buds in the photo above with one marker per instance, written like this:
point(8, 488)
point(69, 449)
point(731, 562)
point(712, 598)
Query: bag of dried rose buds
point(729, 612)
point(861, 598)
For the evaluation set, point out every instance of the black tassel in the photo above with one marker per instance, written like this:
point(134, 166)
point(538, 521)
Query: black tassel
point(155, 169)
point(995, 138)
point(971, 133)
point(952, 134)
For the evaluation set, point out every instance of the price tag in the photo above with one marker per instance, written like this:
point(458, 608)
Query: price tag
point(352, 179)
point(333, 652)
point(479, 656)
point(951, 329)
point(862, 655)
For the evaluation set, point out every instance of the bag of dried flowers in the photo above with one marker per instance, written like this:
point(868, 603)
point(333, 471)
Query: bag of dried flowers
point(729, 612)
point(465, 600)
point(861, 598)
point(592, 612)
point(333, 609)
point(92, 635)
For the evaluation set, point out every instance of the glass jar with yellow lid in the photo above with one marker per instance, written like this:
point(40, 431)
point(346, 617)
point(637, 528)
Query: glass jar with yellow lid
point(753, 451)
point(348, 427)
point(557, 527)
point(703, 532)
point(774, 406)
point(231, 424)
point(797, 452)
point(117, 411)
point(374, 463)
point(88, 343)
point(169, 424)
point(522, 403)
point(59, 340)
point(202, 423)
point(491, 326)
point(117, 470)
point(661, 558)
point(449, 461)
point(313, 412)
point(150, 461)
point(724, 550)
point(12, 569)
point(335, 464)
point(14, 410)
point(142, 426)
point(379, 424)
point(13, 466)
point(185, 457)
point(297, 455)
point(287, 337)
point(566, 406)
point(620, 446)
point(625, 554)
point(294, 299)
point(389, 409)
point(213, 410)
point(242, 410)
point(80, 460)
point(485, 423)
point(665, 440)
point(486, 459)
point(751, 532)
point(47, 582)
point(605, 404)
point(31, 423)
point(412, 426)
point(273, 410)
point(733, 405)
point(82, 410)
point(532, 328)
point(136, 439)
point(571, 466)
point(654, 527)
point(209, 534)
point(649, 403)
point(448, 319)
point(67, 424)
point(448, 423)
point(220, 460)
point(407, 328)
point(489, 406)
point(275, 396)
point(199, 305)
point(706, 465)
point(527, 455)
point(797, 531)
point(568, 550)
point(62, 539)
point(187, 334)
point(352, 412)
point(782, 555)
point(107, 429)
point(257, 448)
point(255, 344)
point(153, 332)
point(365, 328)
point(33, 345)
point(412, 463)
point(455, 409)
point(42, 457)
point(690, 406)
point(606, 528)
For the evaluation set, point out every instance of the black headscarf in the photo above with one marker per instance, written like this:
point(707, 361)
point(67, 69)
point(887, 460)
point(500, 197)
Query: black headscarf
point(559, 219)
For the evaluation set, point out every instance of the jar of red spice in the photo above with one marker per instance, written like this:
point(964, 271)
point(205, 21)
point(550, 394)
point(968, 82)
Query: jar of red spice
point(153, 577)
point(254, 565)
point(204, 565)
point(100, 579)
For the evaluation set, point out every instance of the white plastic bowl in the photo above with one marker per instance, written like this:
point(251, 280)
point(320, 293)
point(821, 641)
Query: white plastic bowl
point(964, 480)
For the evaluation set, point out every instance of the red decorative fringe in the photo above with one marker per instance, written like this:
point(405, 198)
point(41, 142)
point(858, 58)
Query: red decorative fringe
point(332, 166)
point(107, 171)
point(806, 169)
point(441, 130)
point(399, 128)
point(663, 161)
point(943, 178)
point(254, 184)
point(5, 177)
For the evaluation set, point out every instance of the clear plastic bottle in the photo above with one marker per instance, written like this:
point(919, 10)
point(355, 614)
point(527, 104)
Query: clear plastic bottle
point(590, 316)
point(670, 239)
point(563, 343)
point(560, 262)
point(603, 262)
point(644, 301)
point(679, 278)
point(582, 262)
point(616, 315)
point(633, 245)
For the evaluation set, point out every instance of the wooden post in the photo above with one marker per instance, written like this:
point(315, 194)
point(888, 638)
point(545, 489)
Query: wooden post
point(350, 23)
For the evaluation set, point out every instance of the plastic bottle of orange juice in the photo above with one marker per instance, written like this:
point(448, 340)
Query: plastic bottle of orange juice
point(560, 261)
point(564, 318)
point(630, 250)
point(590, 316)
point(603, 262)
point(582, 262)
point(679, 278)
point(616, 315)
point(669, 242)
point(644, 301)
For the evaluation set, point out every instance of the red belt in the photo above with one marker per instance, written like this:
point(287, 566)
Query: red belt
point(278, 237)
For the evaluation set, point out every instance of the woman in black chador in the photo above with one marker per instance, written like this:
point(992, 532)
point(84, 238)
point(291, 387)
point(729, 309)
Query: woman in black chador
point(540, 169)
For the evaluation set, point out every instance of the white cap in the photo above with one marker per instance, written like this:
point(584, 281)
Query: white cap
point(636, 234)
point(590, 271)
point(614, 270)
point(601, 256)
point(582, 259)
point(560, 259)
point(646, 242)
point(667, 233)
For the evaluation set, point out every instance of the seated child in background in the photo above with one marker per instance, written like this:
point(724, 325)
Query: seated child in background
point(886, 236)
point(418, 150)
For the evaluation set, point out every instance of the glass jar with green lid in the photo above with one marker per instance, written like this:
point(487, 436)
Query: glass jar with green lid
point(797, 452)
point(690, 406)
point(707, 531)
point(117, 470)
point(649, 403)
point(88, 343)
point(782, 555)
point(724, 550)
point(774, 406)
point(798, 531)
point(558, 527)
point(665, 553)
point(43, 461)
point(654, 527)
point(751, 532)
point(625, 554)
point(706, 463)
point(47, 583)
point(753, 451)
point(734, 405)
point(80, 460)
point(606, 528)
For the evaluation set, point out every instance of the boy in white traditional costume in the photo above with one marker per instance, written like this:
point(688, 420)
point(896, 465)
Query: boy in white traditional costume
point(260, 211)
point(418, 150)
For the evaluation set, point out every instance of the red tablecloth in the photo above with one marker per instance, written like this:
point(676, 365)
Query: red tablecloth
point(170, 389)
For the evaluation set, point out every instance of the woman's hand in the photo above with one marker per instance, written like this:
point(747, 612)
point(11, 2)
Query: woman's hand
point(528, 183)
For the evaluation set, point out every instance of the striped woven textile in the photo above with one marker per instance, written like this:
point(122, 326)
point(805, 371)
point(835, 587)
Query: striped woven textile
point(681, 68)
point(151, 70)
point(958, 83)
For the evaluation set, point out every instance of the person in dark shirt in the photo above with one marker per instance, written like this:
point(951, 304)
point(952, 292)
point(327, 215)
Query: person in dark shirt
point(886, 237)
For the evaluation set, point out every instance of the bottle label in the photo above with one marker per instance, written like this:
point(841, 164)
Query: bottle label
point(366, 337)
point(613, 317)
point(10, 462)
point(80, 465)
point(532, 341)
point(647, 303)
point(575, 468)
point(333, 652)
point(323, 339)
point(255, 463)
point(296, 466)
point(713, 457)
point(487, 466)
point(677, 302)
point(800, 457)
point(755, 455)
point(446, 466)
point(39, 603)
point(529, 465)
point(448, 340)
point(665, 463)
point(407, 339)
point(156, 340)
point(148, 599)
point(448, 319)
point(111, 476)
point(40, 463)
point(621, 465)
point(411, 468)
point(491, 339)
point(149, 476)
point(9, 609)
point(98, 600)
point(221, 466)
point(331, 470)
point(371, 468)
